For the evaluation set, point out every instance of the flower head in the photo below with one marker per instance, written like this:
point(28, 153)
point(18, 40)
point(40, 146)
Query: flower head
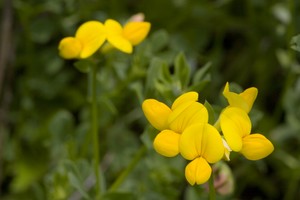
point(202, 144)
point(184, 112)
point(243, 100)
point(124, 38)
point(88, 39)
point(236, 128)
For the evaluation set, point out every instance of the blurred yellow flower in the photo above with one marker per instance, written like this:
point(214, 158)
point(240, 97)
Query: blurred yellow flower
point(243, 100)
point(202, 144)
point(88, 39)
point(184, 112)
point(133, 33)
point(236, 128)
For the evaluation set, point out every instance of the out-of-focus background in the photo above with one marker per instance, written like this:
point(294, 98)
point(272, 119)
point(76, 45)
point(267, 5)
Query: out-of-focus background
point(45, 150)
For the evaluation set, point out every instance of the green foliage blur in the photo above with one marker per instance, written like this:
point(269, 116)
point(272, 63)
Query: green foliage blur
point(45, 143)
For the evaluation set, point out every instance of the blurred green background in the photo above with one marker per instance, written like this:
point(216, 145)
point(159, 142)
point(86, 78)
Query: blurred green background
point(45, 150)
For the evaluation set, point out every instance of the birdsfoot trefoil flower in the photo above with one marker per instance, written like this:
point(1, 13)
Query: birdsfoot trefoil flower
point(184, 129)
point(124, 38)
point(184, 112)
point(236, 128)
point(202, 144)
point(243, 100)
point(88, 39)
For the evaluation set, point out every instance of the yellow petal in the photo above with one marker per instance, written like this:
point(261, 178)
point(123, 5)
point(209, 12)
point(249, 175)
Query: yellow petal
point(115, 36)
point(69, 48)
point(226, 88)
point(136, 32)
point(166, 143)
point(212, 145)
point(187, 114)
point(249, 96)
point(113, 27)
point(235, 124)
point(91, 35)
point(201, 139)
point(157, 113)
point(256, 146)
point(120, 43)
point(198, 171)
point(234, 99)
point(186, 97)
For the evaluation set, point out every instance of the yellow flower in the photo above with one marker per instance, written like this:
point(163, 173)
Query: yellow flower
point(202, 144)
point(125, 38)
point(243, 100)
point(236, 128)
point(184, 112)
point(157, 113)
point(88, 39)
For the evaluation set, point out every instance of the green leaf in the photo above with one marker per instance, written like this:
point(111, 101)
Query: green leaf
point(202, 74)
point(211, 113)
point(156, 73)
point(182, 70)
point(26, 172)
point(159, 40)
point(201, 78)
point(83, 66)
point(295, 43)
point(76, 183)
point(118, 196)
point(61, 123)
point(137, 87)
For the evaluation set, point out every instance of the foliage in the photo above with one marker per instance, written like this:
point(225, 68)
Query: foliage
point(45, 149)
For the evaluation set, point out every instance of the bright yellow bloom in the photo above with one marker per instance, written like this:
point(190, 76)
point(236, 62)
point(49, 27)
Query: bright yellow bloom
point(157, 113)
point(236, 128)
point(88, 39)
point(201, 143)
point(243, 100)
point(125, 38)
point(184, 112)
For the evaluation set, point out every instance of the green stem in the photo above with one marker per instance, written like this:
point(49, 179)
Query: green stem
point(94, 128)
point(212, 192)
point(129, 168)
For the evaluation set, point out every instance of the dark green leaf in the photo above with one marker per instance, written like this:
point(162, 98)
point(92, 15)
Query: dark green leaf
point(83, 66)
point(159, 40)
point(202, 74)
point(295, 43)
point(211, 113)
point(155, 73)
point(182, 70)
point(76, 183)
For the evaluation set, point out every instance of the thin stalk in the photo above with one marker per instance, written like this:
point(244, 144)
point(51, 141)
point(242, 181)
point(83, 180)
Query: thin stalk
point(212, 192)
point(129, 168)
point(94, 128)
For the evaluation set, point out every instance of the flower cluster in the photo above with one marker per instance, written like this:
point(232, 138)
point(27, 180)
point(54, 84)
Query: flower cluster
point(91, 35)
point(184, 129)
